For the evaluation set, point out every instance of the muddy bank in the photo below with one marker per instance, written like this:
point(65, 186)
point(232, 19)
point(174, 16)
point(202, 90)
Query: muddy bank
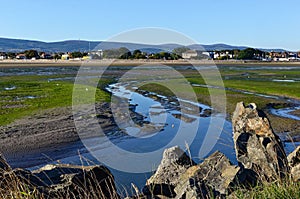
point(51, 134)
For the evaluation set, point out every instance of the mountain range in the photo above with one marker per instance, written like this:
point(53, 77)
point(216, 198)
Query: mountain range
point(18, 45)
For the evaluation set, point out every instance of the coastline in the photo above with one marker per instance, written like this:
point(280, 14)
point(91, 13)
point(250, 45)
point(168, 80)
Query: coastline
point(119, 62)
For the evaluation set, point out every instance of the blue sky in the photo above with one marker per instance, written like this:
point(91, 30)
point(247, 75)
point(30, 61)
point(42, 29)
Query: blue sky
point(256, 23)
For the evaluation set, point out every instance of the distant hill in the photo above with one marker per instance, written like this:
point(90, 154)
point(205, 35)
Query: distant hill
point(17, 45)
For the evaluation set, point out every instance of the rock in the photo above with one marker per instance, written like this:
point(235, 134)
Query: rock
point(157, 190)
point(257, 147)
point(77, 180)
point(69, 181)
point(4, 166)
point(174, 163)
point(294, 163)
point(18, 180)
point(215, 177)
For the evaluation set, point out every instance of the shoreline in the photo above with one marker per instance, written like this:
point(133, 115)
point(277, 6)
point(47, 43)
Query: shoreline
point(118, 62)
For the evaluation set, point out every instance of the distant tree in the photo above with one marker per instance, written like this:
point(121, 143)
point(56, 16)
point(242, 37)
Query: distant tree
point(137, 54)
point(76, 54)
point(247, 53)
point(57, 55)
point(31, 54)
point(180, 50)
point(11, 55)
point(111, 53)
point(235, 53)
point(124, 53)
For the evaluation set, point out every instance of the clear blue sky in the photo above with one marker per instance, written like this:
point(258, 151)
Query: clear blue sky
point(256, 23)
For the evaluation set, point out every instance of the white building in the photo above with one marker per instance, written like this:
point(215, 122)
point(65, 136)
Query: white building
point(65, 57)
point(98, 54)
point(189, 54)
point(2, 57)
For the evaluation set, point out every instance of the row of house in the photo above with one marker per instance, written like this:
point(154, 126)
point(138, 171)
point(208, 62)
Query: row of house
point(266, 56)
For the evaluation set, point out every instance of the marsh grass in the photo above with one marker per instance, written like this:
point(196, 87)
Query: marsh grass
point(34, 93)
point(286, 189)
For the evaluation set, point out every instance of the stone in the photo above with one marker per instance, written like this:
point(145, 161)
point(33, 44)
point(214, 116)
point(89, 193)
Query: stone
point(157, 190)
point(68, 181)
point(294, 163)
point(215, 177)
point(4, 166)
point(77, 180)
point(174, 163)
point(257, 147)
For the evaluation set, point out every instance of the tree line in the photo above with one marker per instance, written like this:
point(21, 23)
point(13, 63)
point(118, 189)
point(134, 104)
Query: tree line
point(124, 53)
point(29, 54)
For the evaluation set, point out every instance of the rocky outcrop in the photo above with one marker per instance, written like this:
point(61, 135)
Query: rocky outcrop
point(294, 163)
point(173, 164)
point(257, 147)
point(3, 164)
point(216, 176)
point(70, 181)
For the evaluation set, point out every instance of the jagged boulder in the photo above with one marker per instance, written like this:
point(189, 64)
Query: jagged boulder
point(4, 166)
point(294, 163)
point(174, 163)
point(215, 177)
point(257, 147)
point(63, 181)
point(59, 180)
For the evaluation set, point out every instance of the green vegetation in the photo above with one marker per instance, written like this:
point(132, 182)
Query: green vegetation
point(250, 53)
point(278, 190)
point(78, 54)
point(24, 95)
point(124, 53)
point(31, 54)
point(33, 93)
point(258, 81)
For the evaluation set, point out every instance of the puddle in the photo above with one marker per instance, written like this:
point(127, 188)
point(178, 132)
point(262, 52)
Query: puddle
point(10, 88)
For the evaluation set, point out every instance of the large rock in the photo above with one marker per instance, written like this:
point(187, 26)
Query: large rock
point(58, 180)
point(174, 163)
point(215, 177)
point(64, 181)
point(294, 162)
point(4, 166)
point(257, 147)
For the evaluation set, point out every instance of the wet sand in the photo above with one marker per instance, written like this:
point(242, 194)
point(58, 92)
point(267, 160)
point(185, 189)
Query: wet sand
point(50, 131)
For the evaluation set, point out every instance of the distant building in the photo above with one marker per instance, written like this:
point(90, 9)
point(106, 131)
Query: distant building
point(46, 56)
point(21, 56)
point(189, 54)
point(208, 54)
point(97, 54)
point(86, 58)
point(65, 57)
point(3, 56)
point(218, 55)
